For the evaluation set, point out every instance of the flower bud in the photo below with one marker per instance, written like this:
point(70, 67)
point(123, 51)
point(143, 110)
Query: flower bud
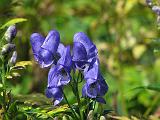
point(90, 115)
point(102, 118)
point(13, 58)
point(8, 48)
point(10, 33)
point(149, 2)
point(156, 9)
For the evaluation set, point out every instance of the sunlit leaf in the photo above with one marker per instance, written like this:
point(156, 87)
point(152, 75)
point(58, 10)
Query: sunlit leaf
point(23, 64)
point(33, 99)
point(13, 21)
point(58, 110)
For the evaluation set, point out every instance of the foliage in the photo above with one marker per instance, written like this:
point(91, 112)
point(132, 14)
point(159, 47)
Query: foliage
point(124, 32)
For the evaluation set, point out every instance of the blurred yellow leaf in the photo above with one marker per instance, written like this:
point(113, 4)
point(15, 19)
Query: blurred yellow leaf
point(13, 21)
point(23, 63)
point(138, 50)
point(129, 5)
point(58, 109)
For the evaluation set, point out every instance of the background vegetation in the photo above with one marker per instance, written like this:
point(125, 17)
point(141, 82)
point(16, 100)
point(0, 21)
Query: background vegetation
point(125, 32)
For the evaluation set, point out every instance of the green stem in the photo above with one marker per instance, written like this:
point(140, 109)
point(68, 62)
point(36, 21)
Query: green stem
point(155, 100)
point(76, 92)
point(3, 83)
point(73, 112)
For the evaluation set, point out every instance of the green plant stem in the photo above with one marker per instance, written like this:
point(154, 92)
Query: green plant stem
point(155, 100)
point(4, 86)
point(76, 92)
point(73, 112)
point(78, 98)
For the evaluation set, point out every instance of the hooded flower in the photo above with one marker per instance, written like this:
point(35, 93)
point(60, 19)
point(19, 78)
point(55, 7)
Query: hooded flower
point(95, 86)
point(83, 50)
point(56, 93)
point(59, 74)
point(44, 49)
point(95, 89)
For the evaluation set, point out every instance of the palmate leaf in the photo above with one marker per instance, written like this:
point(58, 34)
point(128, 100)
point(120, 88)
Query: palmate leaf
point(13, 21)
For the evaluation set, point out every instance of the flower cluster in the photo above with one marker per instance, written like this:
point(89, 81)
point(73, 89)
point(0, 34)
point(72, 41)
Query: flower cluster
point(10, 47)
point(49, 52)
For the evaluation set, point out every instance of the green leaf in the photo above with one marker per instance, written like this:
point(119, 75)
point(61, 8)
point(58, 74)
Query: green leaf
point(155, 87)
point(13, 107)
point(36, 99)
point(58, 110)
point(13, 21)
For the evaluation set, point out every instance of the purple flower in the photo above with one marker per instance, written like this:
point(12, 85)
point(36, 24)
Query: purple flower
point(56, 93)
point(95, 89)
point(95, 86)
point(83, 50)
point(44, 49)
point(59, 74)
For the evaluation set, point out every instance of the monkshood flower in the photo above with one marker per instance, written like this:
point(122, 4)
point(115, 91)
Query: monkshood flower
point(59, 74)
point(56, 93)
point(10, 34)
point(95, 86)
point(83, 50)
point(44, 49)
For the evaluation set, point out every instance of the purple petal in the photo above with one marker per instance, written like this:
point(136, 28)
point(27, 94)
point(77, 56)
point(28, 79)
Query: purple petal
point(103, 86)
point(83, 38)
point(36, 40)
point(66, 59)
point(60, 49)
point(56, 93)
point(84, 91)
point(93, 70)
point(58, 76)
point(52, 41)
point(45, 58)
point(79, 52)
point(101, 100)
point(92, 89)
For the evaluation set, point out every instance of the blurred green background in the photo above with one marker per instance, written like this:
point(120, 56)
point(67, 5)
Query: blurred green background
point(124, 31)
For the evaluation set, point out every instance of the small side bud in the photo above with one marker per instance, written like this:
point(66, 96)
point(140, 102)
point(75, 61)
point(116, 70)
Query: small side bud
point(8, 48)
point(149, 2)
point(156, 9)
point(13, 59)
point(90, 115)
point(10, 34)
point(102, 118)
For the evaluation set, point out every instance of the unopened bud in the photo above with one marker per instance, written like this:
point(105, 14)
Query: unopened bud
point(156, 9)
point(149, 2)
point(8, 48)
point(90, 115)
point(10, 34)
point(13, 58)
point(102, 118)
